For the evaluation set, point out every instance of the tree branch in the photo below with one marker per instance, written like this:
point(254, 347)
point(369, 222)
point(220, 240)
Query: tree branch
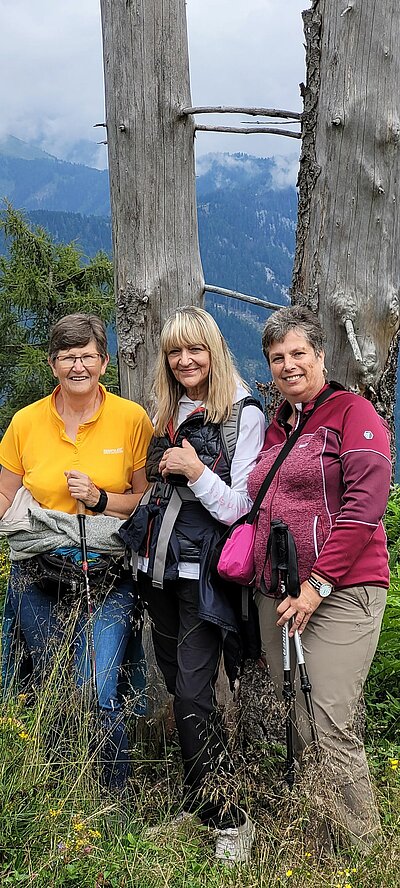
point(222, 291)
point(258, 129)
point(349, 327)
point(254, 112)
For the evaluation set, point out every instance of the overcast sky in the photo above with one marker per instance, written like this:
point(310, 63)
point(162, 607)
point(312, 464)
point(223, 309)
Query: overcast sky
point(51, 77)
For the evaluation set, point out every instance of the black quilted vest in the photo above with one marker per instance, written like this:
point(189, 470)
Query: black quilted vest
point(194, 532)
point(182, 536)
point(204, 437)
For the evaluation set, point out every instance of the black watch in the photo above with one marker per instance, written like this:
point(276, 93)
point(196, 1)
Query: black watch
point(101, 505)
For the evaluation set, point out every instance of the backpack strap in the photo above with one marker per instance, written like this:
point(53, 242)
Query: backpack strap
point(178, 495)
point(230, 428)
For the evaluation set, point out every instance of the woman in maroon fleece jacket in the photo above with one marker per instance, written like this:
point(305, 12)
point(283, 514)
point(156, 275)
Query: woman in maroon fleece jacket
point(331, 491)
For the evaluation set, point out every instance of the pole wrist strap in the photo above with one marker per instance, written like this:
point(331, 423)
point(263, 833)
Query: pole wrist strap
point(101, 505)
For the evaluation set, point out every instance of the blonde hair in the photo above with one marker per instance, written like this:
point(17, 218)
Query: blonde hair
point(190, 326)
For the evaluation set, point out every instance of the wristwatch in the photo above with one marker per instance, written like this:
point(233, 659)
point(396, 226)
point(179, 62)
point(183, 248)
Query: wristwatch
point(323, 589)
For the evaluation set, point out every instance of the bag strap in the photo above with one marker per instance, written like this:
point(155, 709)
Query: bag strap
point(230, 431)
point(230, 428)
point(178, 496)
point(283, 454)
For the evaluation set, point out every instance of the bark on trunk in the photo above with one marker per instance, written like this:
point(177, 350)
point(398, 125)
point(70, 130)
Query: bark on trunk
point(152, 177)
point(347, 264)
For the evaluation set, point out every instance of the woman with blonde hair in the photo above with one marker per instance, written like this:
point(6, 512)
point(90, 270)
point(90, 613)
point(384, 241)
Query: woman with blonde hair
point(208, 433)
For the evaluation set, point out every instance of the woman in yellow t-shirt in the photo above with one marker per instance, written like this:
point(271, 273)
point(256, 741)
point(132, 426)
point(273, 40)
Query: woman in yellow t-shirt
point(81, 444)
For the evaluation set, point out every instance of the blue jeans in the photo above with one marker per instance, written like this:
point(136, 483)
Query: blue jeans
point(40, 619)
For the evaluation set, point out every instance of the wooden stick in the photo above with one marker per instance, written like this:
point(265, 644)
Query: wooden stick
point(222, 291)
point(254, 112)
point(349, 327)
point(260, 129)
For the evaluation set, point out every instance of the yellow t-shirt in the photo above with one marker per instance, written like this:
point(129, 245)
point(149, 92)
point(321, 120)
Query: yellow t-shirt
point(109, 448)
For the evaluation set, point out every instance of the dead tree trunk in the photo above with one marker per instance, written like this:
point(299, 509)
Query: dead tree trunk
point(152, 183)
point(152, 177)
point(347, 264)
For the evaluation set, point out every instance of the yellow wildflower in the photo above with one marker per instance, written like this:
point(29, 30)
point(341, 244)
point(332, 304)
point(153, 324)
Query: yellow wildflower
point(14, 723)
point(94, 834)
point(394, 764)
point(23, 735)
point(289, 873)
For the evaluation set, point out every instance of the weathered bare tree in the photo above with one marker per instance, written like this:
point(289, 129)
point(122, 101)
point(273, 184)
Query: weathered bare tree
point(152, 177)
point(347, 264)
point(150, 134)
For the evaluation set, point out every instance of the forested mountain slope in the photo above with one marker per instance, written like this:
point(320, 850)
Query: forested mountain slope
point(246, 228)
point(247, 219)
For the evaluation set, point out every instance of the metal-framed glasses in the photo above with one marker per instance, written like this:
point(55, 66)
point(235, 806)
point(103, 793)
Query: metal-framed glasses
point(89, 360)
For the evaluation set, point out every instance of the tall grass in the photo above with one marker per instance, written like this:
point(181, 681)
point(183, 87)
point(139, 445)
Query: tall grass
point(58, 826)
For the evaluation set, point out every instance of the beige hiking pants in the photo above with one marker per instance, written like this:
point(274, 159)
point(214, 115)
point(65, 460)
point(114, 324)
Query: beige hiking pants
point(339, 644)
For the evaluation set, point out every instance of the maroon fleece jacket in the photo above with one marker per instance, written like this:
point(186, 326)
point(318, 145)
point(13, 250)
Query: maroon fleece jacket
point(331, 491)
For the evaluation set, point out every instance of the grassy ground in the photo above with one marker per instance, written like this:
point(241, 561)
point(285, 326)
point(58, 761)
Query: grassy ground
point(58, 829)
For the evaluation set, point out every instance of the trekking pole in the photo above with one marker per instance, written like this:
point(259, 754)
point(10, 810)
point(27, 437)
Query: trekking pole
point(89, 602)
point(280, 567)
point(285, 580)
point(306, 688)
point(289, 696)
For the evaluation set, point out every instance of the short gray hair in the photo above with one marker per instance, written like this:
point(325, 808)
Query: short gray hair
point(295, 317)
point(76, 330)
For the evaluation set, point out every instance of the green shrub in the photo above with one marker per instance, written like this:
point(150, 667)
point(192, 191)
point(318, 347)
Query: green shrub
point(382, 690)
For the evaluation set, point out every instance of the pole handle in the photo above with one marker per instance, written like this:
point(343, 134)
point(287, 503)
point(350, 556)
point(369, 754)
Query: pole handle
point(80, 508)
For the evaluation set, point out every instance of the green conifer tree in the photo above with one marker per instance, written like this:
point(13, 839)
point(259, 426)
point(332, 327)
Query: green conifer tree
point(40, 281)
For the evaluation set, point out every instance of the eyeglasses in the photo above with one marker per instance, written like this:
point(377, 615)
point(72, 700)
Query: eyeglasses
point(86, 360)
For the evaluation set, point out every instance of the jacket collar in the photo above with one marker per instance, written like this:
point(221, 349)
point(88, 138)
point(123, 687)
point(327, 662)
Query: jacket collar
point(286, 409)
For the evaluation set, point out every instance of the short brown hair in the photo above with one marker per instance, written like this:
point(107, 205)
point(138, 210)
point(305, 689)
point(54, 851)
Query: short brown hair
point(295, 317)
point(77, 330)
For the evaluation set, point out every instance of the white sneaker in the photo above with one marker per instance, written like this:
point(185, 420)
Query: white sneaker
point(234, 844)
